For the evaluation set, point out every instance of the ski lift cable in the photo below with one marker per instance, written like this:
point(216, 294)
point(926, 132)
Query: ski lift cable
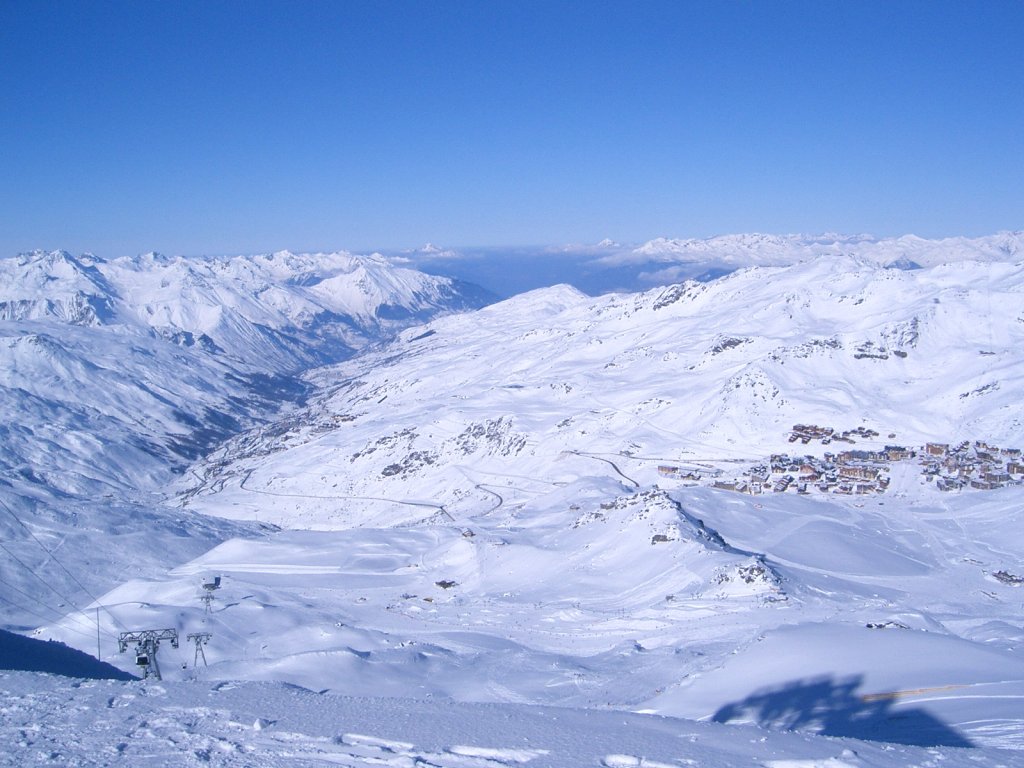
point(47, 584)
point(61, 614)
point(57, 611)
point(21, 607)
point(44, 618)
point(42, 546)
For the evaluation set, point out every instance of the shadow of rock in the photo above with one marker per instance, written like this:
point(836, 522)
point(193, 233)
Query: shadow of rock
point(830, 707)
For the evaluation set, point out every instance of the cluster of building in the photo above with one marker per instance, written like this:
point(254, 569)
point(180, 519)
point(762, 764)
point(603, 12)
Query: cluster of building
point(691, 473)
point(806, 433)
point(971, 465)
point(848, 473)
point(859, 472)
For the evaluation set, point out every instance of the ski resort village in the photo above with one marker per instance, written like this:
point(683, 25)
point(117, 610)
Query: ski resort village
point(969, 465)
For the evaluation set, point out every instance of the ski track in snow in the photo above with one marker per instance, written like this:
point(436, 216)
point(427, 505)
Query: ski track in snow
point(49, 720)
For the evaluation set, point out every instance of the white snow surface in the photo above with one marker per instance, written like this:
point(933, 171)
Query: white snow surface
point(466, 554)
point(49, 720)
point(542, 388)
point(114, 375)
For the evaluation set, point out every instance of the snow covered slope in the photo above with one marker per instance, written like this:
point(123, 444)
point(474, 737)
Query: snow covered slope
point(543, 385)
point(115, 374)
point(512, 507)
point(868, 621)
point(51, 720)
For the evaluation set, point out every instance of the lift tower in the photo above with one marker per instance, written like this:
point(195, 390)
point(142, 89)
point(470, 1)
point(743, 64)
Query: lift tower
point(209, 587)
point(147, 641)
point(200, 639)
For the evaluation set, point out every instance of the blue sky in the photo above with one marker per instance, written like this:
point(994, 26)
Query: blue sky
point(231, 127)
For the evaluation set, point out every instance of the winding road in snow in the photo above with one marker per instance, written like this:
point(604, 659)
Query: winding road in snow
point(281, 494)
point(613, 465)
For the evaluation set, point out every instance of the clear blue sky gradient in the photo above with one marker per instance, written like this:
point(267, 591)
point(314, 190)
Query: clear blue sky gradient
point(231, 127)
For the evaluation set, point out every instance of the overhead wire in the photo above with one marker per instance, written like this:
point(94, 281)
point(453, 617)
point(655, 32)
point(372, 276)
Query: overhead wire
point(47, 584)
point(26, 610)
point(55, 559)
point(44, 618)
point(47, 606)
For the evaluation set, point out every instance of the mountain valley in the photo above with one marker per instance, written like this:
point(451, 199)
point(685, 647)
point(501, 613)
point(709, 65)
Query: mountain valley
point(400, 492)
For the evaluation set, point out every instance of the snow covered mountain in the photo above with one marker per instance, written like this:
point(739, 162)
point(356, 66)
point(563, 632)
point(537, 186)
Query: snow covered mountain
point(287, 311)
point(781, 250)
point(115, 374)
point(515, 507)
point(116, 371)
point(693, 372)
point(618, 267)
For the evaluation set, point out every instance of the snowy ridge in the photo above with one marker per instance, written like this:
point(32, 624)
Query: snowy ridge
point(300, 309)
point(115, 374)
point(783, 250)
point(695, 371)
point(667, 260)
point(56, 285)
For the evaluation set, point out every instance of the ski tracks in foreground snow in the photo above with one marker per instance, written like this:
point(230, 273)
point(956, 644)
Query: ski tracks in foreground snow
point(140, 727)
point(54, 720)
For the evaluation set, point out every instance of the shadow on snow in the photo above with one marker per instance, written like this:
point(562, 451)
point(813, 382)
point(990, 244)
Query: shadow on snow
point(29, 655)
point(830, 707)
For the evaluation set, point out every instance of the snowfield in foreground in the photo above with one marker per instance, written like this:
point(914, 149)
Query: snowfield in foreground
point(879, 622)
point(50, 720)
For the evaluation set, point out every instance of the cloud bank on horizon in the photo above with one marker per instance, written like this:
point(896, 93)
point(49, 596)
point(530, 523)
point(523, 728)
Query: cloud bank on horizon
point(608, 266)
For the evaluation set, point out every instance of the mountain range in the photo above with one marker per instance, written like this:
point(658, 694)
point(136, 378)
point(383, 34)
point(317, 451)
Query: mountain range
point(609, 266)
point(692, 372)
point(114, 375)
point(394, 485)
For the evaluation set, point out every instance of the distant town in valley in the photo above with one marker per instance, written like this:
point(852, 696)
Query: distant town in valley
point(975, 465)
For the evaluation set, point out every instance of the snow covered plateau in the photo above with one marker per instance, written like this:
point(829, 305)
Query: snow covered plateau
point(770, 518)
